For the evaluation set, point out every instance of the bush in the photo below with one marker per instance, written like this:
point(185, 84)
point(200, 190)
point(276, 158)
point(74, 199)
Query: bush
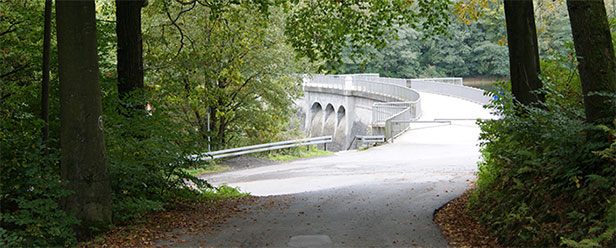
point(547, 177)
point(147, 154)
point(31, 189)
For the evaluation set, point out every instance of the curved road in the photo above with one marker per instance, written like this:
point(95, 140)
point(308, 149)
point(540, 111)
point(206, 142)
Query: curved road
point(382, 196)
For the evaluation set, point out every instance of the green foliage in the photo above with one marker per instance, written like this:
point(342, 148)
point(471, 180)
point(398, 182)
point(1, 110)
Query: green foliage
point(31, 192)
point(547, 177)
point(468, 50)
point(222, 192)
point(297, 152)
point(147, 153)
point(208, 168)
point(320, 30)
point(208, 194)
point(237, 65)
point(30, 185)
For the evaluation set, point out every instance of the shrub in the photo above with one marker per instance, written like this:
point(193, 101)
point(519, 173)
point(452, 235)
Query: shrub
point(547, 177)
point(147, 154)
point(31, 189)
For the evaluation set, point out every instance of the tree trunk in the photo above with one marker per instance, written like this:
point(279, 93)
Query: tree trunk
point(45, 71)
point(523, 51)
point(130, 47)
point(595, 54)
point(83, 162)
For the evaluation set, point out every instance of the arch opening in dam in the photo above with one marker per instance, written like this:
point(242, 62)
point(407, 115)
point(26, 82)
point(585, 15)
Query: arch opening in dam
point(316, 123)
point(340, 133)
point(329, 127)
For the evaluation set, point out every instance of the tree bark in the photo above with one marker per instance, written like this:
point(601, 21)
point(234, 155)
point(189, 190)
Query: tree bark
point(523, 51)
point(130, 47)
point(595, 54)
point(45, 71)
point(83, 162)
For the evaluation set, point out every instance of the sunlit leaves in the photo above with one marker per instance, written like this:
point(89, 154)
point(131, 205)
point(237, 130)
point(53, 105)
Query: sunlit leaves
point(319, 30)
point(471, 10)
point(236, 64)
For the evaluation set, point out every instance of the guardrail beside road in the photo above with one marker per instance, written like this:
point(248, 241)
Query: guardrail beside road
point(262, 148)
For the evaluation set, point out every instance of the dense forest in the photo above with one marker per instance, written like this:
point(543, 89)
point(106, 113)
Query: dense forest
point(470, 49)
point(102, 103)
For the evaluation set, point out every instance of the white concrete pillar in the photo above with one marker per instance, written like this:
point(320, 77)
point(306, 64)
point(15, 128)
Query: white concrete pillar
point(349, 108)
point(308, 112)
point(348, 83)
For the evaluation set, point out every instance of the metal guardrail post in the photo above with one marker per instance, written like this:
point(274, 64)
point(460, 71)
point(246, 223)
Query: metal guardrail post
point(388, 131)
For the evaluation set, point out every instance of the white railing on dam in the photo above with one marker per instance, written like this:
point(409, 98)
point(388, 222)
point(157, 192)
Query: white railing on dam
point(397, 91)
point(449, 89)
point(454, 81)
point(384, 110)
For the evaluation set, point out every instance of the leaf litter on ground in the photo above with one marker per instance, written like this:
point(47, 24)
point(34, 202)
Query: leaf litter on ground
point(184, 218)
point(460, 228)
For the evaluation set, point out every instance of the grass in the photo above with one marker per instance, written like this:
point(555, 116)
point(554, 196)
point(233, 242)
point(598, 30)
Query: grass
point(208, 169)
point(298, 153)
point(363, 148)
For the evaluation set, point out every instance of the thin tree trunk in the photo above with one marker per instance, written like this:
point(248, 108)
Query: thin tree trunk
point(83, 162)
point(523, 51)
point(595, 54)
point(221, 134)
point(45, 71)
point(130, 46)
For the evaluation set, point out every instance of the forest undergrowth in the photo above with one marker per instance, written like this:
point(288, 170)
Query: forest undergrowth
point(548, 177)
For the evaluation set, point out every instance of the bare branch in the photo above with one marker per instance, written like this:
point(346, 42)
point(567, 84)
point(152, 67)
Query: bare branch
point(174, 23)
point(17, 69)
point(10, 29)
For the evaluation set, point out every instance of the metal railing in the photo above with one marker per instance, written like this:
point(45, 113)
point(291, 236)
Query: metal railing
point(384, 110)
point(398, 124)
point(367, 139)
point(261, 148)
point(396, 81)
point(454, 81)
point(396, 91)
point(370, 83)
point(448, 89)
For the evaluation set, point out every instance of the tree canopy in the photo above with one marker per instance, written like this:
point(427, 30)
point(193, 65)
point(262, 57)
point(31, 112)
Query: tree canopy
point(226, 73)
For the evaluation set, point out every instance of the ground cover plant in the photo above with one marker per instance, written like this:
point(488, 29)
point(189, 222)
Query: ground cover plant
point(548, 177)
point(146, 149)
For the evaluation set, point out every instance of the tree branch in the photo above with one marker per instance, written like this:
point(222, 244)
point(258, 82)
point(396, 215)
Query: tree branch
point(174, 23)
point(15, 70)
point(10, 29)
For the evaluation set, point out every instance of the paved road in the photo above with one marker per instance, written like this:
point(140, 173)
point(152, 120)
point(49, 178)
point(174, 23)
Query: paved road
point(383, 196)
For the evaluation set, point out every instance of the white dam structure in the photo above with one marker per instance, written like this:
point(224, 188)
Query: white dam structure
point(345, 106)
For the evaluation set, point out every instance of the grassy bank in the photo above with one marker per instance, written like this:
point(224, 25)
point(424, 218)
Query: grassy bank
point(296, 153)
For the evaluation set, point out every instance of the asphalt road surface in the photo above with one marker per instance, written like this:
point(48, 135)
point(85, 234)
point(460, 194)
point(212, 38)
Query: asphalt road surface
point(382, 196)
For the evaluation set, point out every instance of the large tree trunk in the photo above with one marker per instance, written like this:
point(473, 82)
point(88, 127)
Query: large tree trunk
point(523, 51)
point(45, 71)
point(130, 47)
point(595, 54)
point(83, 161)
